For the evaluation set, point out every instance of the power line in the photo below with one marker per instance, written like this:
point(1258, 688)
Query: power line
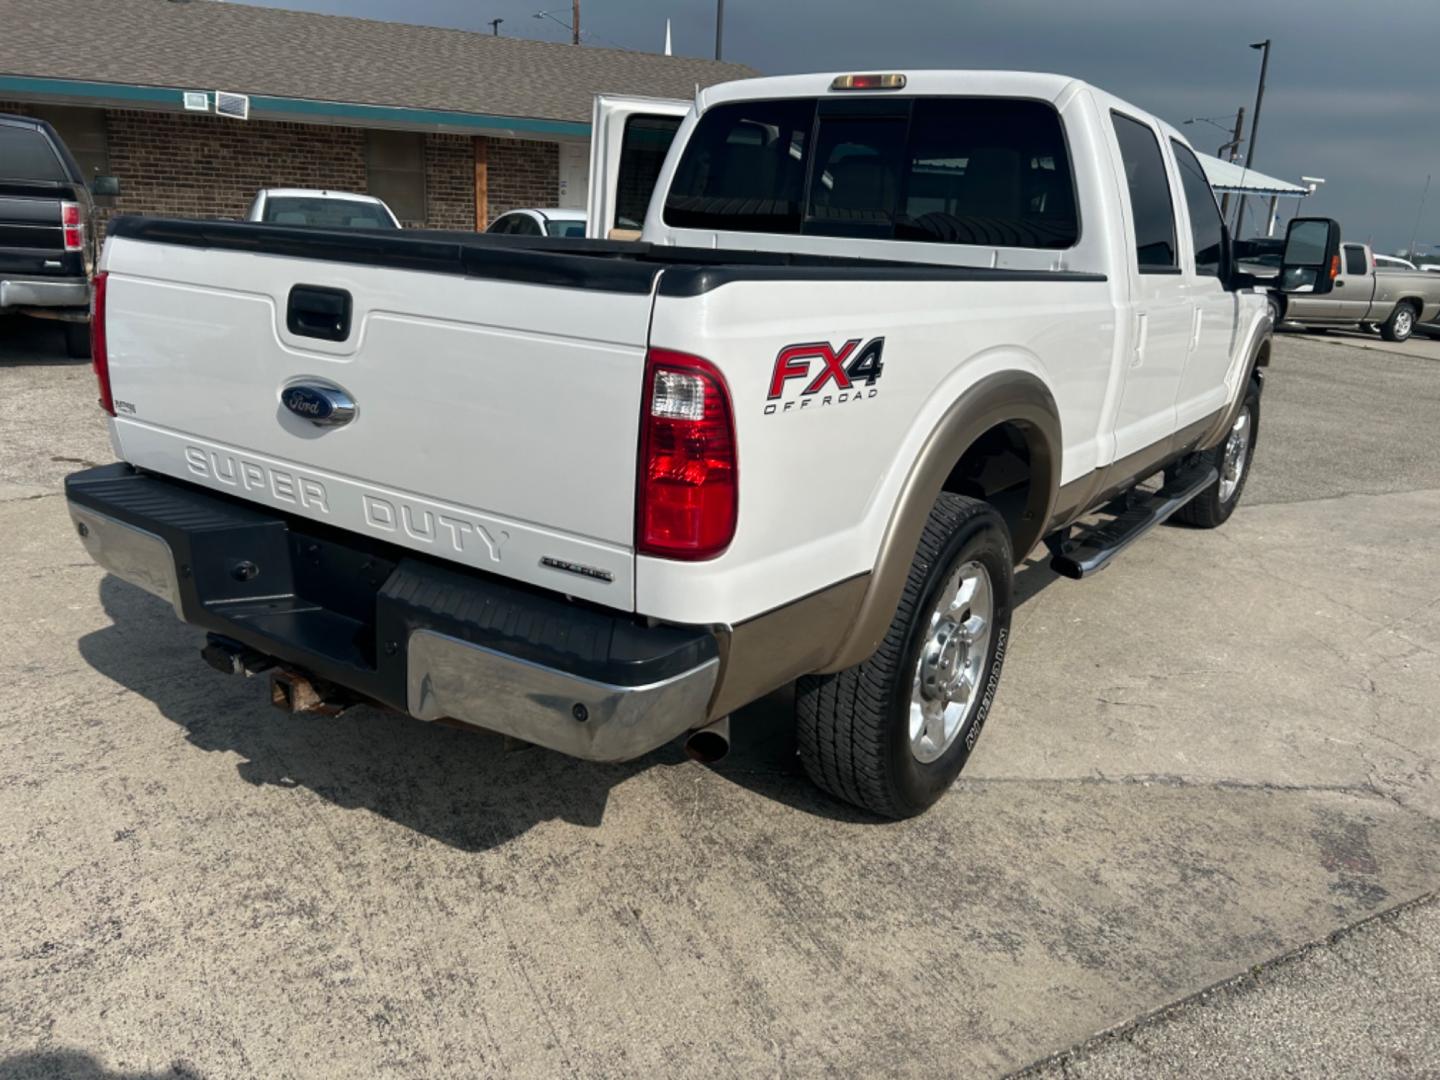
point(584, 35)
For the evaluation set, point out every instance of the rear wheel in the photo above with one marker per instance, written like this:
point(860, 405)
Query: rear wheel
point(1213, 506)
point(1401, 323)
point(77, 340)
point(892, 733)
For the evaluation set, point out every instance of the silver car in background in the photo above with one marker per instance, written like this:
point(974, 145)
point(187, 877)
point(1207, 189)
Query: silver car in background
point(1355, 292)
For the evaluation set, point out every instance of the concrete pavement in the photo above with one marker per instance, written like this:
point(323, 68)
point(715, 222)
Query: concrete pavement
point(1219, 750)
point(1362, 1003)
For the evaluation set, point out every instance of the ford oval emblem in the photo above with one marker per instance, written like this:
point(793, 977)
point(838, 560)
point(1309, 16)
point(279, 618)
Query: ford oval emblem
point(324, 406)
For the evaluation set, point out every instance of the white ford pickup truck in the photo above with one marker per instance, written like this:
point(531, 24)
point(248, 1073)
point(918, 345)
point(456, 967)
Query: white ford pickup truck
point(883, 334)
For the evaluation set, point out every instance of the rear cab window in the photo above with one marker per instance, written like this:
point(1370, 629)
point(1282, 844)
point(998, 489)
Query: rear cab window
point(1151, 207)
point(973, 170)
point(1355, 262)
point(325, 213)
point(26, 154)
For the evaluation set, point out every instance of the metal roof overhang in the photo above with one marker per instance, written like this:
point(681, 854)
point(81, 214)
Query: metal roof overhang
point(298, 110)
point(1226, 176)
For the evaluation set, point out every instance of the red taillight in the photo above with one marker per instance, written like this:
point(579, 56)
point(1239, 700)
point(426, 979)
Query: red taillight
point(689, 479)
point(99, 358)
point(72, 226)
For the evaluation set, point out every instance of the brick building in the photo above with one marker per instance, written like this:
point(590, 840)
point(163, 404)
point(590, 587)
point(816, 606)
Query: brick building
point(451, 128)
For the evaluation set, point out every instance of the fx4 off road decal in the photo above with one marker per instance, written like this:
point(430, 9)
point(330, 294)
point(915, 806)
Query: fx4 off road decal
point(824, 375)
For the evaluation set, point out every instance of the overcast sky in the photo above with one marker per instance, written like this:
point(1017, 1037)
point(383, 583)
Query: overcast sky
point(1353, 93)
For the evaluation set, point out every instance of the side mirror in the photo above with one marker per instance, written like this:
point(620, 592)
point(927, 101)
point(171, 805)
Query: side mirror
point(105, 185)
point(1312, 255)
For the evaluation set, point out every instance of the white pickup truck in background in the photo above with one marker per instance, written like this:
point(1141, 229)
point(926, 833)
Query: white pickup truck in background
point(883, 334)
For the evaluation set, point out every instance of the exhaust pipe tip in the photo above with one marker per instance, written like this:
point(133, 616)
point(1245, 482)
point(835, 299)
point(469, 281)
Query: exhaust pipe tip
point(293, 692)
point(710, 743)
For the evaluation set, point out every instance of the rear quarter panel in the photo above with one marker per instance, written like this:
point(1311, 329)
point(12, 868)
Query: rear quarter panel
point(819, 475)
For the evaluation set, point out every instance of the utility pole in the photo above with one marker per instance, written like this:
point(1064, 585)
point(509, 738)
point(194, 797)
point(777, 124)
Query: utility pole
point(719, 26)
point(495, 26)
point(1235, 141)
point(1264, 47)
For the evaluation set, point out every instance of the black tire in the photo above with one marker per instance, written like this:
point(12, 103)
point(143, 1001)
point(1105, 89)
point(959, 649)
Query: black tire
point(77, 340)
point(1401, 323)
point(853, 726)
point(1208, 510)
point(1274, 305)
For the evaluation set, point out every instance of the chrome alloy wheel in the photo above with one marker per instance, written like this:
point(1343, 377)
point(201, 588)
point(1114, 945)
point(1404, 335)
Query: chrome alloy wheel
point(1404, 322)
point(952, 660)
point(1237, 453)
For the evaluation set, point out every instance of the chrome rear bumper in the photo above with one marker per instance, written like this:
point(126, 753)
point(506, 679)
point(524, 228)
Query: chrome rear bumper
point(43, 292)
point(597, 721)
point(422, 639)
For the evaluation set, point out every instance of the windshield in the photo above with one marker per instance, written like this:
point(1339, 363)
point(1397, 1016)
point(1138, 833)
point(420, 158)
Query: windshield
point(25, 154)
point(991, 171)
point(325, 213)
point(565, 228)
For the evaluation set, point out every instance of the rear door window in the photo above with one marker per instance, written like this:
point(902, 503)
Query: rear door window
point(1150, 204)
point(25, 154)
point(1206, 229)
point(1355, 261)
point(988, 171)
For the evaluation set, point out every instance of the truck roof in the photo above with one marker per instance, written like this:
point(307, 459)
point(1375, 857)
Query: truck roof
point(1027, 84)
point(1037, 85)
point(316, 193)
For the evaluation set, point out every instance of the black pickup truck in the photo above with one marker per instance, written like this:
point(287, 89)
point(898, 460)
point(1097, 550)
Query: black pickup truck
point(47, 229)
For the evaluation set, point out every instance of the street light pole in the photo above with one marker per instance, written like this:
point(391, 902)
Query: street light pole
point(1264, 47)
point(1235, 141)
point(719, 26)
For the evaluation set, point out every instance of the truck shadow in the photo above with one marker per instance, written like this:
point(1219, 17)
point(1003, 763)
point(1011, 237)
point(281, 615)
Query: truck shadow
point(33, 342)
point(78, 1065)
point(463, 788)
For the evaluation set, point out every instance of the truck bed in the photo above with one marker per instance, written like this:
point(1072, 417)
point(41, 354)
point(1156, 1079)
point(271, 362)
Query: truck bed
point(606, 265)
point(497, 380)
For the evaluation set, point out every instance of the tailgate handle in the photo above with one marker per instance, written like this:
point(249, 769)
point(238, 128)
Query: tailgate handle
point(318, 312)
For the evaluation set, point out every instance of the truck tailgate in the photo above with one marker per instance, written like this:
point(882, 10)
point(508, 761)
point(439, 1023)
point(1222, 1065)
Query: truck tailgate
point(495, 425)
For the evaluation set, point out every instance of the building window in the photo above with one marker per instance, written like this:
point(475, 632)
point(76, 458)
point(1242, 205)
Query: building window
point(395, 171)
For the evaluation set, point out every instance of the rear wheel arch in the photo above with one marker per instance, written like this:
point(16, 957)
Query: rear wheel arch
point(1005, 414)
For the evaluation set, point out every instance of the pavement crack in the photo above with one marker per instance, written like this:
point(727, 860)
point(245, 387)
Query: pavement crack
point(33, 498)
point(1249, 978)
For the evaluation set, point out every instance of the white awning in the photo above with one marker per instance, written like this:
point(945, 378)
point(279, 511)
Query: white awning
point(1226, 176)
